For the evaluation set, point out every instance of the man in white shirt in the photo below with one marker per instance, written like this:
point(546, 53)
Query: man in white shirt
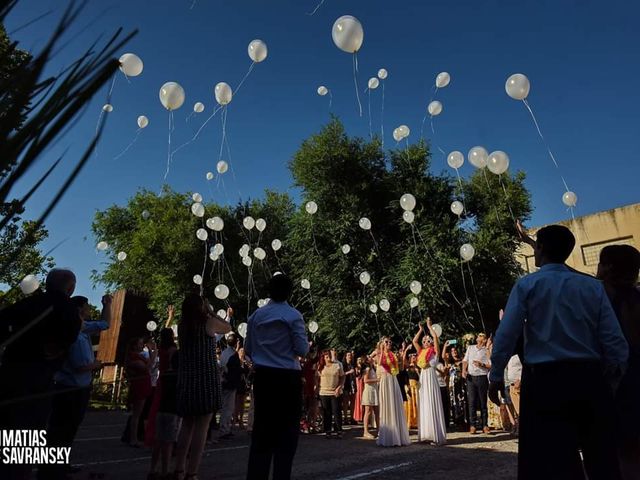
point(475, 369)
point(512, 378)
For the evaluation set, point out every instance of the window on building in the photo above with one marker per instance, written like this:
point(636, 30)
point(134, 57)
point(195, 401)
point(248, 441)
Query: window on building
point(591, 252)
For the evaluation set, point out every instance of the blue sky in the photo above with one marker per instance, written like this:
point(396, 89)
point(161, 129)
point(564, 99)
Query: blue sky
point(582, 58)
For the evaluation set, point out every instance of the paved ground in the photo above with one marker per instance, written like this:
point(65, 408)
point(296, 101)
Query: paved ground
point(98, 449)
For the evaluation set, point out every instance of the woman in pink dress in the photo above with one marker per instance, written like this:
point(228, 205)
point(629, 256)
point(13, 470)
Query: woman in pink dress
point(357, 408)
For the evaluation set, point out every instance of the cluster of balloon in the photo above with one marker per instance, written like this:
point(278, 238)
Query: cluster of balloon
point(517, 87)
point(401, 133)
point(408, 203)
point(29, 284)
point(152, 326)
point(242, 330)
point(467, 252)
point(214, 223)
point(382, 75)
point(348, 35)
point(455, 160)
point(172, 98)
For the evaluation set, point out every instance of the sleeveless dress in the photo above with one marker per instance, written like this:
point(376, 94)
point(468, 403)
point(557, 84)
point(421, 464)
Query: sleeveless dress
point(393, 430)
point(358, 414)
point(431, 423)
point(198, 379)
point(370, 391)
point(412, 403)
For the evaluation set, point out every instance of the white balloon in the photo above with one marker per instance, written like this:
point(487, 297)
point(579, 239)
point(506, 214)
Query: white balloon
point(196, 197)
point(517, 86)
point(218, 249)
point(373, 308)
point(107, 107)
point(102, 246)
point(467, 252)
point(246, 261)
point(397, 135)
point(346, 248)
point(437, 329)
point(209, 175)
point(223, 93)
point(146, 214)
point(131, 65)
point(435, 108)
point(214, 257)
point(257, 50)
point(498, 162)
point(261, 224)
point(221, 291)
point(365, 278)
point(373, 83)
point(457, 207)
point(348, 34)
point(122, 256)
point(259, 253)
point(222, 167)
point(143, 121)
point(478, 157)
point(311, 207)
point(413, 302)
point(244, 250)
point(322, 90)
point(382, 74)
point(222, 314)
point(570, 199)
point(215, 223)
point(202, 234)
point(408, 216)
point(197, 279)
point(365, 223)
point(404, 131)
point(455, 159)
point(242, 329)
point(276, 244)
point(197, 209)
point(152, 326)
point(313, 327)
point(198, 107)
point(443, 79)
point(408, 202)
point(305, 284)
point(384, 305)
point(248, 223)
point(29, 284)
point(171, 95)
point(415, 287)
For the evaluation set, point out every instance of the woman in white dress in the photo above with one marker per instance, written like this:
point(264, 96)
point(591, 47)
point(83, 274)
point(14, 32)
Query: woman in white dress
point(370, 398)
point(392, 431)
point(431, 422)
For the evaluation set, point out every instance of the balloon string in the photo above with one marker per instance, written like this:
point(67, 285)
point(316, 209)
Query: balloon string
point(169, 147)
point(189, 117)
point(330, 100)
point(464, 201)
point(355, 80)
point(316, 9)
point(424, 120)
point(244, 78)
point(464, 284)
point(495, 208)
point(129, 146)
point(223, 117)
point(233, 281)
point(382, 116)
point(313, 235)
point(248, 289)
point(535, 122)
point(113, 82)
point(375, 245)
point(506, 195)
point(475, 294)
point(279, 264)
point(369, 102)
point(215, 111)
point(204, 266)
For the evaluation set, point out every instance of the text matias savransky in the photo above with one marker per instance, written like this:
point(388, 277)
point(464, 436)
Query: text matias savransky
point(29, 447)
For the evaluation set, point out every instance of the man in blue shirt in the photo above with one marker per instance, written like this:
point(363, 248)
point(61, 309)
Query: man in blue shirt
point(574, 352)
point(276, 338)
point(73, 384)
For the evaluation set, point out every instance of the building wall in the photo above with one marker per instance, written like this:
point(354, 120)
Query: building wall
point(593, 233)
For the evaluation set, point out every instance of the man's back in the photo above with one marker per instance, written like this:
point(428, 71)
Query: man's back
point(276, 336)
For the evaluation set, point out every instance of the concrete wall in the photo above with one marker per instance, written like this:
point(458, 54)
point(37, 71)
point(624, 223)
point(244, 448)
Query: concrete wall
point(593, 232)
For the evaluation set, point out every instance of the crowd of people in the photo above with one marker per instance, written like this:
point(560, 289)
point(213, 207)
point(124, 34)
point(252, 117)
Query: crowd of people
point(562, 371)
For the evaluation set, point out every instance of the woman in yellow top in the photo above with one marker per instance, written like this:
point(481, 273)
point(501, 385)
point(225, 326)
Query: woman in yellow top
point(431, 422)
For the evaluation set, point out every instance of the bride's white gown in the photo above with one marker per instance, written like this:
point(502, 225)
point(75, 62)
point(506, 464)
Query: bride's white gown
point(393, 430)
point(431, 423)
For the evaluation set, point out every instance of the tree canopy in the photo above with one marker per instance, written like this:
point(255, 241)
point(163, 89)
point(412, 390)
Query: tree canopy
point(348, 178)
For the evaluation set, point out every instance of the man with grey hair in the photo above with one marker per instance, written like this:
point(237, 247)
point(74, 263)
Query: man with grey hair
point(35, 334)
